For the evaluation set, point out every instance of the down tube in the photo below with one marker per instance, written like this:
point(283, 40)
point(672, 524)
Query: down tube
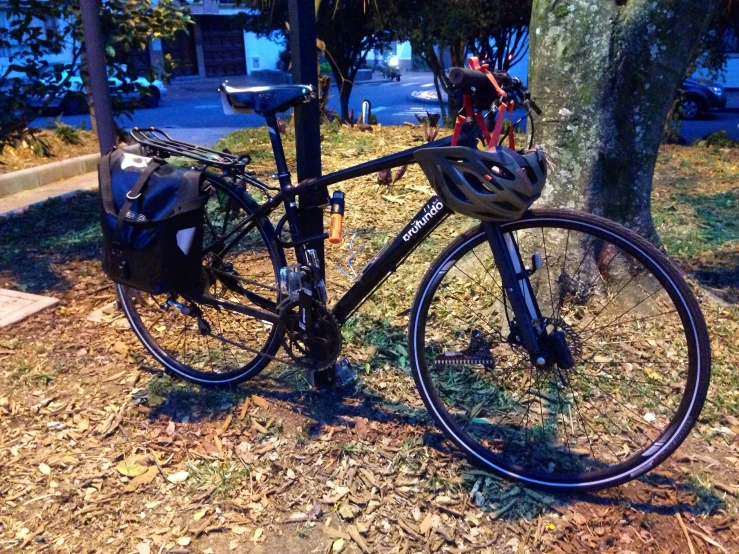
point(428, 218)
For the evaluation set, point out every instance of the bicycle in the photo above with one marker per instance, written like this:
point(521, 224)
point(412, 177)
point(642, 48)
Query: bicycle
point(558, 349)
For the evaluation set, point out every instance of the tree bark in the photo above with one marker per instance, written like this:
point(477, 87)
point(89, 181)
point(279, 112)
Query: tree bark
point(605, 73)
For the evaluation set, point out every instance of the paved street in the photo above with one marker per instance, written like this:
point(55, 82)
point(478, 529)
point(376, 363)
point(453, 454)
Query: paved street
point(192, 110)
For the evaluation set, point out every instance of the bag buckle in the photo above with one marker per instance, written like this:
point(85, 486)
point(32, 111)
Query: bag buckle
point(132, 198)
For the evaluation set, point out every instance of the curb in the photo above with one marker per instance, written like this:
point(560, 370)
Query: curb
point(46, 174)
point(34, 177)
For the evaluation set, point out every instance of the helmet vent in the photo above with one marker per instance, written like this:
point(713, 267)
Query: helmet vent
point(498, 171)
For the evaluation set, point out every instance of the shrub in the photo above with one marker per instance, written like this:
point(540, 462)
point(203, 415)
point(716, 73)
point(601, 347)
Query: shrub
point(66, 133)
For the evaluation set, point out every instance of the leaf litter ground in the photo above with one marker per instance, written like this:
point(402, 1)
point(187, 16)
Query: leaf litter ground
point(100, 452)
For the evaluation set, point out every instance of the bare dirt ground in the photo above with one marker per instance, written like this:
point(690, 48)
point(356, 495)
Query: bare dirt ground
point(100, 452)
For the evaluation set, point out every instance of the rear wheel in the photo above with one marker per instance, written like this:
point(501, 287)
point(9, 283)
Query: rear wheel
point(639, 341)
point(203, 344)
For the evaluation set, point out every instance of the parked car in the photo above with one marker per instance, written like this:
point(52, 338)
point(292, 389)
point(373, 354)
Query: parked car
point(73, 101)
point(699, 96)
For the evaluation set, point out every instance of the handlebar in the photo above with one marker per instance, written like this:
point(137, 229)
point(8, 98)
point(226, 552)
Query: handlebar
point(471, 81)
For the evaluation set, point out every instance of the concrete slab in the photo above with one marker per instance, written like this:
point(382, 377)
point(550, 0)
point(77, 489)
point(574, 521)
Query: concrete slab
point(20, 201)
point(16, 306)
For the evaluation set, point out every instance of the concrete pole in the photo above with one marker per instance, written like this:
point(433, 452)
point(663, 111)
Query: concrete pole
point(94, 45)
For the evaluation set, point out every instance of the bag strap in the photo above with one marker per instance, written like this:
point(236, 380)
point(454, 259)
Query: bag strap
point(135, 192)
point(104, 181)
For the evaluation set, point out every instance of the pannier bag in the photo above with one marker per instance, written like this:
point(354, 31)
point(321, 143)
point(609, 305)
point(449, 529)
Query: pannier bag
point(152, 218)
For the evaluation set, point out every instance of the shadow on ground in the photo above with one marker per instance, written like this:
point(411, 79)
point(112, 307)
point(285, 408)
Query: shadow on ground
point(57, 232)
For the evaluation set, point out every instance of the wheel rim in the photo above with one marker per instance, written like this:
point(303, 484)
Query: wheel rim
point(235, 342)
point(596, 393)
point(690, 109)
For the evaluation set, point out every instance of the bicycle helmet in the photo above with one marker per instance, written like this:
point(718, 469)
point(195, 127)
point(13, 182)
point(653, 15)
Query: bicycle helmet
point(492, 186)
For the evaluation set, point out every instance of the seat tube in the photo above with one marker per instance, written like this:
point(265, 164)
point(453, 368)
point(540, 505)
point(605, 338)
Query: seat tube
point(283, 175)
point(274, 136)
point(516, 285)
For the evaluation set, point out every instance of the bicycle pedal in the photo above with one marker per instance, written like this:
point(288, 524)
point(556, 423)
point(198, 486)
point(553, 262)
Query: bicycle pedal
point(345, 373)
point(477, 353)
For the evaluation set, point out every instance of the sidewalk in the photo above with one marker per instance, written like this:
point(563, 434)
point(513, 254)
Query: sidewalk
point(20, 201)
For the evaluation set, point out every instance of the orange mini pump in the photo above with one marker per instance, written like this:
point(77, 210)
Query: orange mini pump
point(337, 217)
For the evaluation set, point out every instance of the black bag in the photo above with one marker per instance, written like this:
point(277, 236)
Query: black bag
point(152, 218)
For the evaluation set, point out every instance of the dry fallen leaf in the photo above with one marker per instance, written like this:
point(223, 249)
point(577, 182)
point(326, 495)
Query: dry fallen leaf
point(43, 468)
point(143, 548)
point(178, 477)
point(197, 516)
point(338, 545)
point(130, 468)
point(143, 479)
point(259, 401)
point(183, 541)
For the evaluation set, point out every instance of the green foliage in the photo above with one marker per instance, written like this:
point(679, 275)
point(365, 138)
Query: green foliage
point(38, 34)
point(718, 139)
point(348, 31)
point(324, 67)
point(66, 133)
point(715, 48)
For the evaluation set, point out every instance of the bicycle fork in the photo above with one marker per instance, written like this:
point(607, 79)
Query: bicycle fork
point(526, 327)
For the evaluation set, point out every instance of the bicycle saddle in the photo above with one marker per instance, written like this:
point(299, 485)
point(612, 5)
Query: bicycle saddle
point(264, 100)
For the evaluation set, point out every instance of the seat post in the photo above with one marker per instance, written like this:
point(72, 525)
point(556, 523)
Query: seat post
point(274, 136)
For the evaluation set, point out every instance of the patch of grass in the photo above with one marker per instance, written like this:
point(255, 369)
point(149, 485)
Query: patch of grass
point(28, 375)
point(389, 341)
point(172, 396)
point(222, 477)
point(349, 449)
point(66, 133)
point(707, 501)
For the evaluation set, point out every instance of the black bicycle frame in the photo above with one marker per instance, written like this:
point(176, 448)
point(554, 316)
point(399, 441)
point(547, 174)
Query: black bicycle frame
point(428, 218)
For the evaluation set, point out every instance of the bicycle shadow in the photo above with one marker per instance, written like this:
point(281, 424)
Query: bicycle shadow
point(36, 241)
point(657, 493)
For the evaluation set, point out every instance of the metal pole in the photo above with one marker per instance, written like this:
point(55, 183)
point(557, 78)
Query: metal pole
point(308, 133)
point(94, 45)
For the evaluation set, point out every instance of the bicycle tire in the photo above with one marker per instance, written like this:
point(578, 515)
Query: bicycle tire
point(164, 356)
point(663, 270)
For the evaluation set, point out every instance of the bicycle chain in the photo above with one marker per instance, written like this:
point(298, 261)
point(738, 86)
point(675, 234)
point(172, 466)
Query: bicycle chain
point(242, 279)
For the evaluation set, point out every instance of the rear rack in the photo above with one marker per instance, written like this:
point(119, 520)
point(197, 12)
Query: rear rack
point(163, 145)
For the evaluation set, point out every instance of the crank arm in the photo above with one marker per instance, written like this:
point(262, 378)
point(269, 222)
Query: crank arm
point(238, 308)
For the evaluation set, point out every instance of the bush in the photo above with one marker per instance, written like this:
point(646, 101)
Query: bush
point(325, 67)
point(66, 133)
point(718, 139)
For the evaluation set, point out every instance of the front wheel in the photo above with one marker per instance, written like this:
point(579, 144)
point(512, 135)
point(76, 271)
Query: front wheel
point(636, 333)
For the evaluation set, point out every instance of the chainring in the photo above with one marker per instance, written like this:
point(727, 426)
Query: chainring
point(327, 338)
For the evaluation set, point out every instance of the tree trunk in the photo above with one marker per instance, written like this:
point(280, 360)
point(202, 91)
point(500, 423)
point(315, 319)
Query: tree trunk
point(85, 76)
point(605, 73)
point(344, 93)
